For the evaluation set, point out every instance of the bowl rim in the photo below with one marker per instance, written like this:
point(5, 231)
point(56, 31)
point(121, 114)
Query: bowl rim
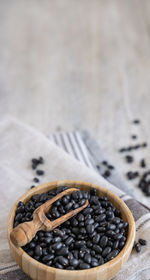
point(31, 192)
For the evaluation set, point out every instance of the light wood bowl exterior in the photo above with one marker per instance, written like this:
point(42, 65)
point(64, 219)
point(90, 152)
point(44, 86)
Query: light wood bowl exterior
point(39, 271)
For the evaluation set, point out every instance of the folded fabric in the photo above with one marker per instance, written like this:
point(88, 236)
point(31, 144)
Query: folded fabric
point(18, 144)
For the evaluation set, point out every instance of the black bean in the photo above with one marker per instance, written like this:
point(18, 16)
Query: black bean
point(58, 265)
point(123, 238)
point(68, 206)
point(122, 150)
point(69, 240)
point(35, 161)
point(79, 243)
point(100, 211)
point(44, 252)
point(117, 236)
point(58, 232)
point(34, 166)
point(90, 229)
point(109, 215)
point(64, 261)
point(110, 243)
point(18, 217)
point(143, 242)
point(97, 249)
point(89, 244)
point(36, 197)
point(89, 222)
point(81, 224)
point(36, 257)
point(49, 263)
point(101, 229)
point(39, 172)
point(41, 160)
point(110, 233)
point(40, 234)
point(75, 195)
point(70, 267)
point(62, 252)
point(100, 218)
point(138, 247)
point(57, 246)
point(82, 202)
point(110, 167)
point(103, 241)
point(32, 187)
point(36, 180)
point(94, 263)
point(75, 205)
point(74, 222)
point(116, 220)
point(87, 258)
point(144, 144)
point(93, 253)
point(111, 255)
point(76, 254)
point(32, 245)
point(87, 211)
point(121, 244)
point(116, 244)
point(96, 239)
point(80, 217)
point(38, 251)
point(106, 174)
point(136, 121)
point(104, 162)
point(85, 194)
point(132, 175)
point(93, 191)
point(64, 200)
point(75, 230)
point(64, 237)
point(143, 163)
point(74, 262)
point(111, 226)
point(47, 258)
point(84, 265)
point(129, 159)
point(101, 260)
point(134, 136)
point(106, 251)
point(20, 209)
point(70, 256)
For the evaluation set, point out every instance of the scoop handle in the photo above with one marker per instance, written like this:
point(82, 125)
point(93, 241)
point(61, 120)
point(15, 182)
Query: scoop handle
point(23, 233)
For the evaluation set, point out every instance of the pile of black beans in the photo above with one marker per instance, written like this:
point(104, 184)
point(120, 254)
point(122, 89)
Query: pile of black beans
point(91, 238)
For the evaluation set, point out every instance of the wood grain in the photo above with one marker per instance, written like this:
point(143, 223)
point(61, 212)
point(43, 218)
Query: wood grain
point(36, 270)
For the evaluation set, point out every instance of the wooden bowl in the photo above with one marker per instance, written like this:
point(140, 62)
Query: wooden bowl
point(37, 270)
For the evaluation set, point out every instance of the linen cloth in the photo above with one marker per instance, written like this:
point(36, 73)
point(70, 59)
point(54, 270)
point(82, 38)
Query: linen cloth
point(18, 144)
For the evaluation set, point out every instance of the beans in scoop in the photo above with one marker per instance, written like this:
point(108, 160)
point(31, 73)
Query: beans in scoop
point(93, 237)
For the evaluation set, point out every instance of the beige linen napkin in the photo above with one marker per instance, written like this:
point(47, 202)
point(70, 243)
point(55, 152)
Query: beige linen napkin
point(18, 144)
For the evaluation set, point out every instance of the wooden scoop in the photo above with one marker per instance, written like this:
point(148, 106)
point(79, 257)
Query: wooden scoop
point(24, 232)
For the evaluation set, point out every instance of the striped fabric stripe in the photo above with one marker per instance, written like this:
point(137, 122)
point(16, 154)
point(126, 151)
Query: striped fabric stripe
point(72, 143)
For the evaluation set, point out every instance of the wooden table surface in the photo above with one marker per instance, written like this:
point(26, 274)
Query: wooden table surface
point(76, 64)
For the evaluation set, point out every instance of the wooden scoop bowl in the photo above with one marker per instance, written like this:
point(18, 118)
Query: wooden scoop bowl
point(24, 232)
